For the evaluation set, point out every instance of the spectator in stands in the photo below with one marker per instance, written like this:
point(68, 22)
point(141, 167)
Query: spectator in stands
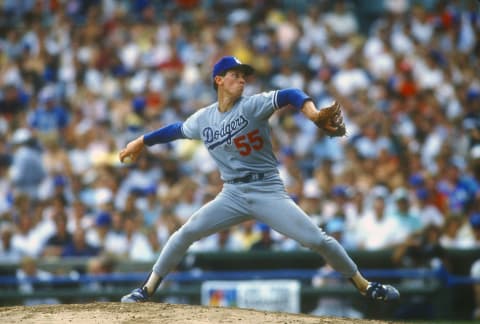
point(49, 118)
point(188, 200)
point(99, 266)
point(60, 239)
point(79, 246)
point(5, 183)
point(427, 211)
point(140, 177)
point(132, 243)
point(7, 251)
point(247, 233)
point(79, 155)
point(341, 20)
point(115, 239)
point(324, 150)
point(131, 202)
point(450, 237)
point(351, 79)
point(466, 234)
point(79, 217)
point(29, 272)
point(55, 158)
point(27, 239)
point(154, 242)
point(149, 206)
point(27, 170)
point(266, 241)
point(459, 188)
point(97, 234)
point(376, 228)
point(437, 197)
point(408, 220)
point(420, 251)
point(345, 209)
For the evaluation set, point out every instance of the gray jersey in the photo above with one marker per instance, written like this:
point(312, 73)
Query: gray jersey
point(239, 139)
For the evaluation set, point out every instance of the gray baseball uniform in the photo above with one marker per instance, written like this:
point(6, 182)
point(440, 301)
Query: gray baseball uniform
point(239, 142)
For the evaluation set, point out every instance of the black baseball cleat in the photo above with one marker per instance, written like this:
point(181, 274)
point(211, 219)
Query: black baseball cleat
point(138, 295)
point(377, 291)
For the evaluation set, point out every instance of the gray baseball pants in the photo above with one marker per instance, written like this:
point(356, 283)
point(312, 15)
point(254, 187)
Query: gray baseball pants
point(265, 201)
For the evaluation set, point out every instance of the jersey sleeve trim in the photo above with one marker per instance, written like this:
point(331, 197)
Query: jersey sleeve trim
point(275, 100)
point(182, 132)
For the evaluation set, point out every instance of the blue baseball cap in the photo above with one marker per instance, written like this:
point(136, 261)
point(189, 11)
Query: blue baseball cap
point(103, 219)
point(228, 63)
point(59, 181)
point(422, 193)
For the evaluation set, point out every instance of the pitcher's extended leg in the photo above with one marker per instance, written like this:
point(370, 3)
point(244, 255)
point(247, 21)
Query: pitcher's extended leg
point(219, 214)
point(293, 222)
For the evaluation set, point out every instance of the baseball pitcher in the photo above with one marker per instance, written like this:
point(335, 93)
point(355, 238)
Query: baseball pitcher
point(236, 132)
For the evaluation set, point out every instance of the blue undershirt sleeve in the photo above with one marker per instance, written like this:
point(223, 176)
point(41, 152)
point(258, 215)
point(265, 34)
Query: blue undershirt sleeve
point(164, 135)
point(292, 96)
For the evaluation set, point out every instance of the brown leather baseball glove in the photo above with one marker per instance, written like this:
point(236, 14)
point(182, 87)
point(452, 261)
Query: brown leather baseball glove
point(330, 120)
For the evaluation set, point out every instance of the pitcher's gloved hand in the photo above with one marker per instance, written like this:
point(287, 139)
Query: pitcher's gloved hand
point(330, 120)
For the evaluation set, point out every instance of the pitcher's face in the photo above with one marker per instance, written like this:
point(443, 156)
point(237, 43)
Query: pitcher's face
point(233, 83)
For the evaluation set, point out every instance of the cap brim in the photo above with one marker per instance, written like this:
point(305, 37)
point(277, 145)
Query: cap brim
point(245, 68)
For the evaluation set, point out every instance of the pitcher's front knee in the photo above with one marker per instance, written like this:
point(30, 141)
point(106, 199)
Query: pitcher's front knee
point(316, 242)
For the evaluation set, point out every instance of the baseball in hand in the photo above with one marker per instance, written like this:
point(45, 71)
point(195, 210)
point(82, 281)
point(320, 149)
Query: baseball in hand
point(128, 159)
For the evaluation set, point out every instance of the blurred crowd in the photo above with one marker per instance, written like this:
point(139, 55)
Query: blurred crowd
point(79, 79)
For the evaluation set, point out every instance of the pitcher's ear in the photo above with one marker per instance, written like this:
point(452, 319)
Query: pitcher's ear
point(216, 80)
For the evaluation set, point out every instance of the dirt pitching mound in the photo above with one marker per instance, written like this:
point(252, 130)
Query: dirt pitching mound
point(113, 313)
